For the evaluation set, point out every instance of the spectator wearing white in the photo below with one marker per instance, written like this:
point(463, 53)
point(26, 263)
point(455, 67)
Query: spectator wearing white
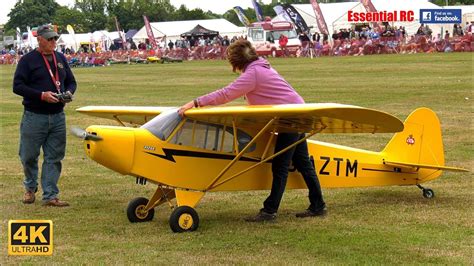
point(466, 28)
point(202, 42)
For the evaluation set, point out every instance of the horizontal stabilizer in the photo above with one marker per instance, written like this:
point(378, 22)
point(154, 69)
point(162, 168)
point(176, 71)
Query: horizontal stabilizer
point(426, 166)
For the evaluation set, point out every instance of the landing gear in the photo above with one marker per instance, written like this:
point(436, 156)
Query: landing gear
point(184, 219)
point(427, 192)
point(136, 211)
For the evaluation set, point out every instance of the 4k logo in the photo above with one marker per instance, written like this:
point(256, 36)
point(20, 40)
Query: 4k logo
point(30, 237)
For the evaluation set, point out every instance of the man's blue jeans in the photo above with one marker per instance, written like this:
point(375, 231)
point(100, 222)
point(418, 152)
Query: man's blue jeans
point(47, 131)
point(280, 165)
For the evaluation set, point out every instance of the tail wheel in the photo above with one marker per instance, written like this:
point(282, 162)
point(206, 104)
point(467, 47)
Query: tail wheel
point(136, 212)
point(428, 193)
point(184, 219)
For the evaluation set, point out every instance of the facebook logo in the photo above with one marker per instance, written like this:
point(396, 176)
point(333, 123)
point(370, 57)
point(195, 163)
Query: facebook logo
point(426, 16)
point(437, 16)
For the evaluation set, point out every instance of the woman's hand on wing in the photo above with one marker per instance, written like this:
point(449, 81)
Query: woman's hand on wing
point(185, 107)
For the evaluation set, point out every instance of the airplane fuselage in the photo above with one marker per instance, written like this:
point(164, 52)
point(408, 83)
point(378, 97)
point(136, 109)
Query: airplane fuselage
point(137, 152)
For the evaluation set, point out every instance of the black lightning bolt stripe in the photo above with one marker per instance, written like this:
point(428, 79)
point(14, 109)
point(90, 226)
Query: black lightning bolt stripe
point(170, 153)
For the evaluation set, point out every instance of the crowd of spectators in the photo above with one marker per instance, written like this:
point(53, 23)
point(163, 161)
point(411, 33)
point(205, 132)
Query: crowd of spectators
point(345, 42)
point(386, 40)
point(192, 48)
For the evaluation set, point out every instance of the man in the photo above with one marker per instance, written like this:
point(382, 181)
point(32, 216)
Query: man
point(283, 41)
point(45, 81)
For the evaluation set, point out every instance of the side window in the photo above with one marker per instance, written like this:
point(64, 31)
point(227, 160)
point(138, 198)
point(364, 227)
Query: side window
point(184, 136)
point(207, 136)
point(210, 136)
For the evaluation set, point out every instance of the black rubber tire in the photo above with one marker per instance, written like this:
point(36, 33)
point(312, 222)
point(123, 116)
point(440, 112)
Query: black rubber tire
point(187, 214)
point(428, 193)
point(133, 211)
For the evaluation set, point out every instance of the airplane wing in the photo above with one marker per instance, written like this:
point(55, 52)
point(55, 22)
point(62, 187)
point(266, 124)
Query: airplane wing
point(322, 117)
point(136, 115)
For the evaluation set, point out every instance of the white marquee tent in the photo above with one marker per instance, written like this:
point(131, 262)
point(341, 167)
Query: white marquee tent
point(336, 16)
point(69, 41)
point(173, 29)
point(102, 37)
point(331, 13)
point(467, 13)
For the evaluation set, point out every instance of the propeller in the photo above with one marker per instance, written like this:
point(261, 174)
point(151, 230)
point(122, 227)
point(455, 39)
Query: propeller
point(81, 133)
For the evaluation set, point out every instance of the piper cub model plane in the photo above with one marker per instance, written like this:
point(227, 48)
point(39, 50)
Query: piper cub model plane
point(230, 148)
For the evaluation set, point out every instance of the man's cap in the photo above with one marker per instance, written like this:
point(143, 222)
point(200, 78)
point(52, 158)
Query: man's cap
point(46, 31)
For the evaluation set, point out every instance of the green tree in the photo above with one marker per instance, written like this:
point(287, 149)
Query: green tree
point(156, 10)
point(121, 11)
point(130, 13)
point(31, 13)
point(452, 2)
point(249, 13)
point(65, 16)
point(182, 13)
point(95, 10)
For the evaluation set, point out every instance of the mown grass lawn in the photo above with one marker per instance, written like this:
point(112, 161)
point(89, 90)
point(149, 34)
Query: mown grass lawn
point(388, 225)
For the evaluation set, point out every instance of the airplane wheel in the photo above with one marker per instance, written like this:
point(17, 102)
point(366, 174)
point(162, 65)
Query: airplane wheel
point(428, 193)
point(184, 219)
point(136, 211)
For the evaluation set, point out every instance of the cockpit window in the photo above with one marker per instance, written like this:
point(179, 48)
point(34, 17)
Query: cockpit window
point(209, 136)
point(163, 125)
point(198, 134)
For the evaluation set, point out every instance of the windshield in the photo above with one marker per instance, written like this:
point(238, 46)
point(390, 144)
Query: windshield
point(256, 34)
point(288, 33)
point(163, 124)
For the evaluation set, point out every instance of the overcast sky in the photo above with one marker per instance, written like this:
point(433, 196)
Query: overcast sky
point(216, 6)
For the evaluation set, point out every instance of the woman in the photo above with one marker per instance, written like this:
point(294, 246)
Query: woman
point(262, 85)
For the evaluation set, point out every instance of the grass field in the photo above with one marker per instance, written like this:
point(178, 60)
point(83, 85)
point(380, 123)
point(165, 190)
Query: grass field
point(388, 225)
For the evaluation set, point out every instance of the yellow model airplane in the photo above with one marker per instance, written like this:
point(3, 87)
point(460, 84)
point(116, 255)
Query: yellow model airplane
point(230, 149)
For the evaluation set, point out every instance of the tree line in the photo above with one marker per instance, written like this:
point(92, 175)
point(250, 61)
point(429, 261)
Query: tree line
point(92, 15)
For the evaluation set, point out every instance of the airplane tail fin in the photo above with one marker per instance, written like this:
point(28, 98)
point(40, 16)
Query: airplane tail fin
point(419, 145)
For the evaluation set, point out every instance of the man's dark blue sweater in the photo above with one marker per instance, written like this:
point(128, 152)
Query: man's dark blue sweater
point(32, 78)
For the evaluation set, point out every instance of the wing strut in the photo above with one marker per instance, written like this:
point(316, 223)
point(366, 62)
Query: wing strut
point(119, 121)
point(237, 157)
point(263, 161)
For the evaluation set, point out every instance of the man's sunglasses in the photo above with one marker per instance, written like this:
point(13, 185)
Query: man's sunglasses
point(52, 38)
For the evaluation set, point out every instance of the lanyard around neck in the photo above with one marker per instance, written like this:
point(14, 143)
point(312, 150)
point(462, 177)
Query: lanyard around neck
point(54, 78)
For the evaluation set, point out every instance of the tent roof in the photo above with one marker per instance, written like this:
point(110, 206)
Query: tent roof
point(173, 29)
point(331, 12)
point(130, 33)
point(465, 8)
point(68, 40)
point(97, 36)
point(200, 31)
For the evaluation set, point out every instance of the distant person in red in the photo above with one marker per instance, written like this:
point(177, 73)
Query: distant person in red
point(283, 41)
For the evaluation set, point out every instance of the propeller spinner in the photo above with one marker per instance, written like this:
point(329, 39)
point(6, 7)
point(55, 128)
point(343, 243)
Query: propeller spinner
point(81, 133)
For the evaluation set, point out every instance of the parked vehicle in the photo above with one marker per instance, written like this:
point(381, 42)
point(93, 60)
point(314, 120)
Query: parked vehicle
point(264, 36)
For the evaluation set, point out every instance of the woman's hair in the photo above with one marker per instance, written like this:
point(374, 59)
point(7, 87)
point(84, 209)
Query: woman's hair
point(241, 53)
